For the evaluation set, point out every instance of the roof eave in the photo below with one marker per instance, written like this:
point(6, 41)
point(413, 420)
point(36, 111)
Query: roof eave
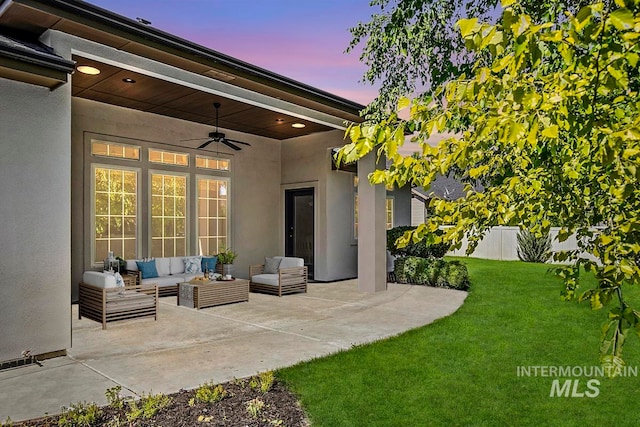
point(105, 20)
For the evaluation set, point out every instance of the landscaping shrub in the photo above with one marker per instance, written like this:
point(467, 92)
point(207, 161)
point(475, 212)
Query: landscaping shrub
point(420, 249)
point(532, 248)
point(432, 272)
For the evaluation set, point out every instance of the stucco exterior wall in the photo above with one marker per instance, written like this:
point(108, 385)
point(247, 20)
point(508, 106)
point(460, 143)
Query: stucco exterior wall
point(255, 178)
point(35, 310)
point(402, 207)
point(306, 162)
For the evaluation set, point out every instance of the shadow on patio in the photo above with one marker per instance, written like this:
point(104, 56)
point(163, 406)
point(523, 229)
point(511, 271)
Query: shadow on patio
point(185, 348)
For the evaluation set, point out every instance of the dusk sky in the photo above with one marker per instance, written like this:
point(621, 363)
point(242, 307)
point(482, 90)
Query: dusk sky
point(300, 39)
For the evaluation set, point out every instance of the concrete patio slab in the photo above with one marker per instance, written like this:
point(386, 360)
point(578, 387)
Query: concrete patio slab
point(185, 347)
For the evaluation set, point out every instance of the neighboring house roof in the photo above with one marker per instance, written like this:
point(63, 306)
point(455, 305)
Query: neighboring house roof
point(33, 61)
point(443, 187)
point(95, 24)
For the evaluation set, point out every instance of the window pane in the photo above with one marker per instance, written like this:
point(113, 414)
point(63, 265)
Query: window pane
point(115, 213)
point(389, 213)
point(168, 215)
point(212, 214)
point(168, 157)
point(212, 163)
point(112, 149)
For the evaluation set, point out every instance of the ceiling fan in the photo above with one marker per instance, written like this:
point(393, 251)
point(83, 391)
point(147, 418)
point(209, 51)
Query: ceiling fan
point(219, 136)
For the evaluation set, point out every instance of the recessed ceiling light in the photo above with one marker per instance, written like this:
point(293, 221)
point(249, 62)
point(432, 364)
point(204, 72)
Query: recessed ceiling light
point(87, 69)
point(298, 125)
point(280, 120)
point(128, 80)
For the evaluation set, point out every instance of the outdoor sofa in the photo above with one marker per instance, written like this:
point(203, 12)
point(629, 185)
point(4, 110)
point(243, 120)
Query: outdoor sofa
point(168, 272)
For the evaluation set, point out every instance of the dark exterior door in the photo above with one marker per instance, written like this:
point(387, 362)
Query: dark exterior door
point(299, 225)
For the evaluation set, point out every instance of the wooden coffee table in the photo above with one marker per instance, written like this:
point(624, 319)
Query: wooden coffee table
point(209, 294)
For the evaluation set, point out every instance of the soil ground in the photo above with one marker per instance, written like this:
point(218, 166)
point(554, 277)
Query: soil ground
point(281, 408)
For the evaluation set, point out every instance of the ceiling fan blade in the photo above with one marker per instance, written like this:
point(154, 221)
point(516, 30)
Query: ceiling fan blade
point(238, 142)
point(206, 143)
point(230, 145)
point(194, 139)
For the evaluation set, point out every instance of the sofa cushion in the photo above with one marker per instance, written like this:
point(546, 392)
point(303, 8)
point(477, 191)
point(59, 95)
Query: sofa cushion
point(163, 266)
point(271, 265)
point(131, 265)
point(147, 268)
point(265, 279)
point(290, 262)
point(177, 264)
point(172, 280)
point(209, 263)
point(193, 264)
point(99, 279)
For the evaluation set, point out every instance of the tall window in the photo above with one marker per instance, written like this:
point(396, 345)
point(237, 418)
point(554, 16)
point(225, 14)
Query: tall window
point(163, 204)
point(212, 214)
point(115, 212)
point(168, 215)
point(389, 206)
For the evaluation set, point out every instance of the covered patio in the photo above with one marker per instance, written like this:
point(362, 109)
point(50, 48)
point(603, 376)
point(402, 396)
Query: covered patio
point(185, 348)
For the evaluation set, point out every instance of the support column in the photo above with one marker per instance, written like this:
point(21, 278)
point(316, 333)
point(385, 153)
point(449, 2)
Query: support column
point(372, 233)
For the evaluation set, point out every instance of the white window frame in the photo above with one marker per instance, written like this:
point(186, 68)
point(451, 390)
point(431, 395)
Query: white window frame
point(149, 201)
point(92, 207)
point(227, 180)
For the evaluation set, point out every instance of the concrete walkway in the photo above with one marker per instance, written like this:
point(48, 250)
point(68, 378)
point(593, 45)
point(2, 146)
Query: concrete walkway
point(185, 348)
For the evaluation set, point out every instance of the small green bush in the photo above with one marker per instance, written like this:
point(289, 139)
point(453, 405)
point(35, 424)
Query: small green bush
point(147, 406)
point(432, 272)
point(532, 248)
point(420, 249)
point(210, 393)
point(81, 414)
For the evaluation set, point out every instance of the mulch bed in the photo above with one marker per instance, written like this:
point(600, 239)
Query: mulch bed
point(281, 408)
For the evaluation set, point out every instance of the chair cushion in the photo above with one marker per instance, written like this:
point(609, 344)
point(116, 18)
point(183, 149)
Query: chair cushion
point(147, 268)
point(271, 265)
point(209, 263)
point(290, 262)
point(265, 279)
point(99, 279)
point(193, 264)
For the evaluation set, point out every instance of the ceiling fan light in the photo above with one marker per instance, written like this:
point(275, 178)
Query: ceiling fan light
point(298, 125)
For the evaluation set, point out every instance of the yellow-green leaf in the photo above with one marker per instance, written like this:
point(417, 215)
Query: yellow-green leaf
point(403, 103)
point(467, 26)
point(550, 132)
point(622, 19)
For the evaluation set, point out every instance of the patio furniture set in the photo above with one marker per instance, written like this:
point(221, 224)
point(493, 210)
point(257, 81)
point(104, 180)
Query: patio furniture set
point(102, 300)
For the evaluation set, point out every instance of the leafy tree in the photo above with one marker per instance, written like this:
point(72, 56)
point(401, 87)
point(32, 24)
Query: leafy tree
point(548, 119)
point(410, 44)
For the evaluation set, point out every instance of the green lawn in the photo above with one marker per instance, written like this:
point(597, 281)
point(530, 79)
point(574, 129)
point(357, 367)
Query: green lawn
point(462, 370)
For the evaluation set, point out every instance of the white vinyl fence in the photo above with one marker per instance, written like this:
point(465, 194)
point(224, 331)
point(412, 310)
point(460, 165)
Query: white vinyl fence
point(500, 243)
